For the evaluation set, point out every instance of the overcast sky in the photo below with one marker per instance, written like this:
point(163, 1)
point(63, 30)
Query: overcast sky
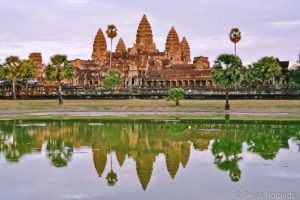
point(269, 27)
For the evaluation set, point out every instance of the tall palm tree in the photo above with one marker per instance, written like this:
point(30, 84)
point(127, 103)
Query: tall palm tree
point(58, 70)
point(111, 177)
point(228, 76)
point(29, 71)
point(14, 69)
point(111, 32)
point(235, 36)
point(11, 70)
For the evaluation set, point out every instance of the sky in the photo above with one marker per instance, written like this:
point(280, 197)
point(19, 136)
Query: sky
point(268, 27)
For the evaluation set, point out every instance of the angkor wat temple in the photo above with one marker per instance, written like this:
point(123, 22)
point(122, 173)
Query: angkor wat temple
point(142, 64)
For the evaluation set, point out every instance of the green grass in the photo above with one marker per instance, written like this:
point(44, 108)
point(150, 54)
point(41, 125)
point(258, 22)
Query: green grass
point(289, 108)
point(157, 117)
point(136, 103)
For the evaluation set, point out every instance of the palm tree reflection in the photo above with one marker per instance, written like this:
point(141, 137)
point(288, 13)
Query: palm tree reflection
point(111, 177)
point(143, 141)
point(227, 158)
point(59, 152)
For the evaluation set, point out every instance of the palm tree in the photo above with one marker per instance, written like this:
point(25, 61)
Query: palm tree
point(111, 177)
point(231, 74)
point(29, 71)
point(111, 32)
point(12, 70)
point(58, 70)
point(235, 36)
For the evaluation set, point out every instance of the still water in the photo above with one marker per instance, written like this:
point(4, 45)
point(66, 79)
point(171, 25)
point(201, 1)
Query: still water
point(149, 159)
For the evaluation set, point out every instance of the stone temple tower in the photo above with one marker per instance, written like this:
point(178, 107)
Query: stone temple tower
point(144, 37)
point(173, 51)
point(99, 47)
point(40, 68)
point(121, 46)
point(185, 51)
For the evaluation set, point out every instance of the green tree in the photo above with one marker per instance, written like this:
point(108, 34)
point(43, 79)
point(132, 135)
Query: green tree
point(235, 36)
point(29, 70)
point(2, 72)
point(12, 70)
point(15, 69)
point(227, 71)
point(113, 79)
point(58, 70)
point(252, 74)
point(263, 70)
point(111, 32)
point(176, 94)
point(295, 77)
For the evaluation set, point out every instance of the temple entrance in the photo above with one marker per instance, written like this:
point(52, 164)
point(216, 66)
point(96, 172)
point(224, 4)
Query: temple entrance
point(173, 83)
point(168, 84)
point(191, 83)
point(180, 83)
point(185, 83)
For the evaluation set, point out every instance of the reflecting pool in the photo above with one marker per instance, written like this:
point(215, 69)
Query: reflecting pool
point(149, 159)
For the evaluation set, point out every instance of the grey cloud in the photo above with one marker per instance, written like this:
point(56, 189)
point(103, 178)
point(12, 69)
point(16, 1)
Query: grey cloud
point(284, 24)
point(269, 27)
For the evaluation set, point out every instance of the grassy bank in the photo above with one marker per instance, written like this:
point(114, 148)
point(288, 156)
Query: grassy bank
point(248, 109)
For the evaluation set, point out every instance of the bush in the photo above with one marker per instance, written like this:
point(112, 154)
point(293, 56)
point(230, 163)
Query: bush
point(112, 80)
point(176, 94)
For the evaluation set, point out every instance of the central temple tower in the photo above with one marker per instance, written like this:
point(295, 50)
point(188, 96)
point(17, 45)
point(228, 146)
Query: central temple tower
point(173, 51)
point(144, 37)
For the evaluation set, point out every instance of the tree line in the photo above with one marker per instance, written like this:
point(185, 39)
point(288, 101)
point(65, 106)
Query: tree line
point(59, 69)
point(228, 71)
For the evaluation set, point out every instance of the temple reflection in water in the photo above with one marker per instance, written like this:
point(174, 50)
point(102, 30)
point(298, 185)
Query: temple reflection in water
point(143, 140)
